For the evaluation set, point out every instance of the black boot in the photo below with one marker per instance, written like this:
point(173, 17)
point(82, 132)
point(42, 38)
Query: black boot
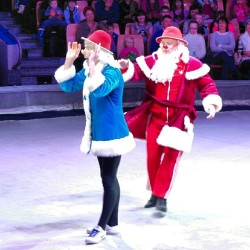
point(161, 205)
point(151, 202)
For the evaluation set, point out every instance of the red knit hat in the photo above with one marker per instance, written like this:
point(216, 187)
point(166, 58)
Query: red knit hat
point(100, 37)
point(173, 33)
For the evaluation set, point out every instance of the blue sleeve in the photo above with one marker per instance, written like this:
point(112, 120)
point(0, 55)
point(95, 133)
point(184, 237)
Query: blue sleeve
point(66, 16)
point(47, 12)
point(77, 16)
point(154, 44)
point(113, 77)
point(74, 84)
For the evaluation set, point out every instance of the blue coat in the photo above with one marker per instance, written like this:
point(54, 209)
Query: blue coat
point(106, 132)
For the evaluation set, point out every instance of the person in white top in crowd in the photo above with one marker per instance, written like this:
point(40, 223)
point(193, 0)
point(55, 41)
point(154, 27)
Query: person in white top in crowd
point(196, 42)
point(244, 50)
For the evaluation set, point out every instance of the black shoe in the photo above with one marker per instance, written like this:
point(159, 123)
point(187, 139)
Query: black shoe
point(151, 202)
point(161, 205)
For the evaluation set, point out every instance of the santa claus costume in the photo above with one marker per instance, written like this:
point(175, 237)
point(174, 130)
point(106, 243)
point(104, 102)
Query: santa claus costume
point(171, 83)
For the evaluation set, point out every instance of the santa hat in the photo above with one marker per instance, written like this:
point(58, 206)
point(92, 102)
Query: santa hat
point(100, 37)
point(173, 33)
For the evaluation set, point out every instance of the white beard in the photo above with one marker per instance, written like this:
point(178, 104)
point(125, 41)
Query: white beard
point(165, 66)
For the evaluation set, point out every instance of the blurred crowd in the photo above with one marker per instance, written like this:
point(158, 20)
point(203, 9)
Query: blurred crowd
point(218, 33)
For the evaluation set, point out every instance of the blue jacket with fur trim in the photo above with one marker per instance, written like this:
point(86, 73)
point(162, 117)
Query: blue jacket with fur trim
point(106, 132)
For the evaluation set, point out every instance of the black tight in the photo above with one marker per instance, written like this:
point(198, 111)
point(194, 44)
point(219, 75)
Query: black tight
point(111, 196)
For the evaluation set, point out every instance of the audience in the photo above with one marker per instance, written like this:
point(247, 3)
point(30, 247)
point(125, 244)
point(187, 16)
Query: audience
point(71, 13)
point(241, 11)
point(129, 51)
point(114, 36)
point(166, 21)
point(165, 10)
point(179, 13)
point(107, 11)
point(149, 19)
point(222, 45)
point(244, 51)
point(54, 17)
point(196, 42)
point(144, 28)
point(202, 27)
point(208, 8)
point(152, 9)
point(128, 10)
point(193, 10)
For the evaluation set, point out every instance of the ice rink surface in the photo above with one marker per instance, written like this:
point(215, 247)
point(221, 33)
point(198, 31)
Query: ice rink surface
point(50, 192)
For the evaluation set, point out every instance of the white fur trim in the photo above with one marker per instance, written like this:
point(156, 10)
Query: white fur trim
point(203, 70)
point(62, 75)
point(175, 138)
point(143, 65)
point(114, 147)
point(95, 81)
point(129, 73)
point(212, 99)
point(185, 53)
point(86, 140)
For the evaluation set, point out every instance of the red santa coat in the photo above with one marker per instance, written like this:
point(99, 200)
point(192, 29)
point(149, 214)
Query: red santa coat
point(171, 114)
point(190, 75)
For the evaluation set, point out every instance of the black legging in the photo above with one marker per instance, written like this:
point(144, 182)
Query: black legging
point(111, 196)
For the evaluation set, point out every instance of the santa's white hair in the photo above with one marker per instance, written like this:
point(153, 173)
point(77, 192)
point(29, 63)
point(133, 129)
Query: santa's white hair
point(165, 66)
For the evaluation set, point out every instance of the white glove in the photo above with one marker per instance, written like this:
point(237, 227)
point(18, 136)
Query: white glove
point(211, 111)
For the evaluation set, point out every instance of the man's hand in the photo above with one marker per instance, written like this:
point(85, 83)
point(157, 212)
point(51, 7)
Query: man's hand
point(211, 111)
point(123, 63)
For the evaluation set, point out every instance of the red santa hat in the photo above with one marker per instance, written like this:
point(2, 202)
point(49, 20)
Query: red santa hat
point(173, 33)
point(100, 37)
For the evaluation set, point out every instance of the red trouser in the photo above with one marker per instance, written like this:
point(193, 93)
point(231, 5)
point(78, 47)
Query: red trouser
point(162, 162)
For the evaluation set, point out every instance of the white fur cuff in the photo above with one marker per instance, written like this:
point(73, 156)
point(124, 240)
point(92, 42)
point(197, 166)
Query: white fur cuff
point(175, 138)
point(129, 73)
point(212, 100)
point(62, 75)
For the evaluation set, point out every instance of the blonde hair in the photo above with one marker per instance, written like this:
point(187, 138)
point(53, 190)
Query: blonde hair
point(128, 39)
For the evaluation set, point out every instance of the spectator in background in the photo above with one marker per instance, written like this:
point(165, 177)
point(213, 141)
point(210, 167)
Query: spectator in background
point(222, 45)
point(84, 29)
point(129, 51)
point(214, 25)
point(128, 10)
point(21, 7)
point(114, 36)
point(241, 11)
point(179, 13)
point(165, 10)
point(142, 27)
point(28, 18)
point(202, 27)
point(87, 26)
point(107, 11)
point(54, 16)
point(196, 42)
point(244, 51)
point(71, 13)
point(193, 10)
point(208, 8)
point(152, 9)
point(166, 21)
